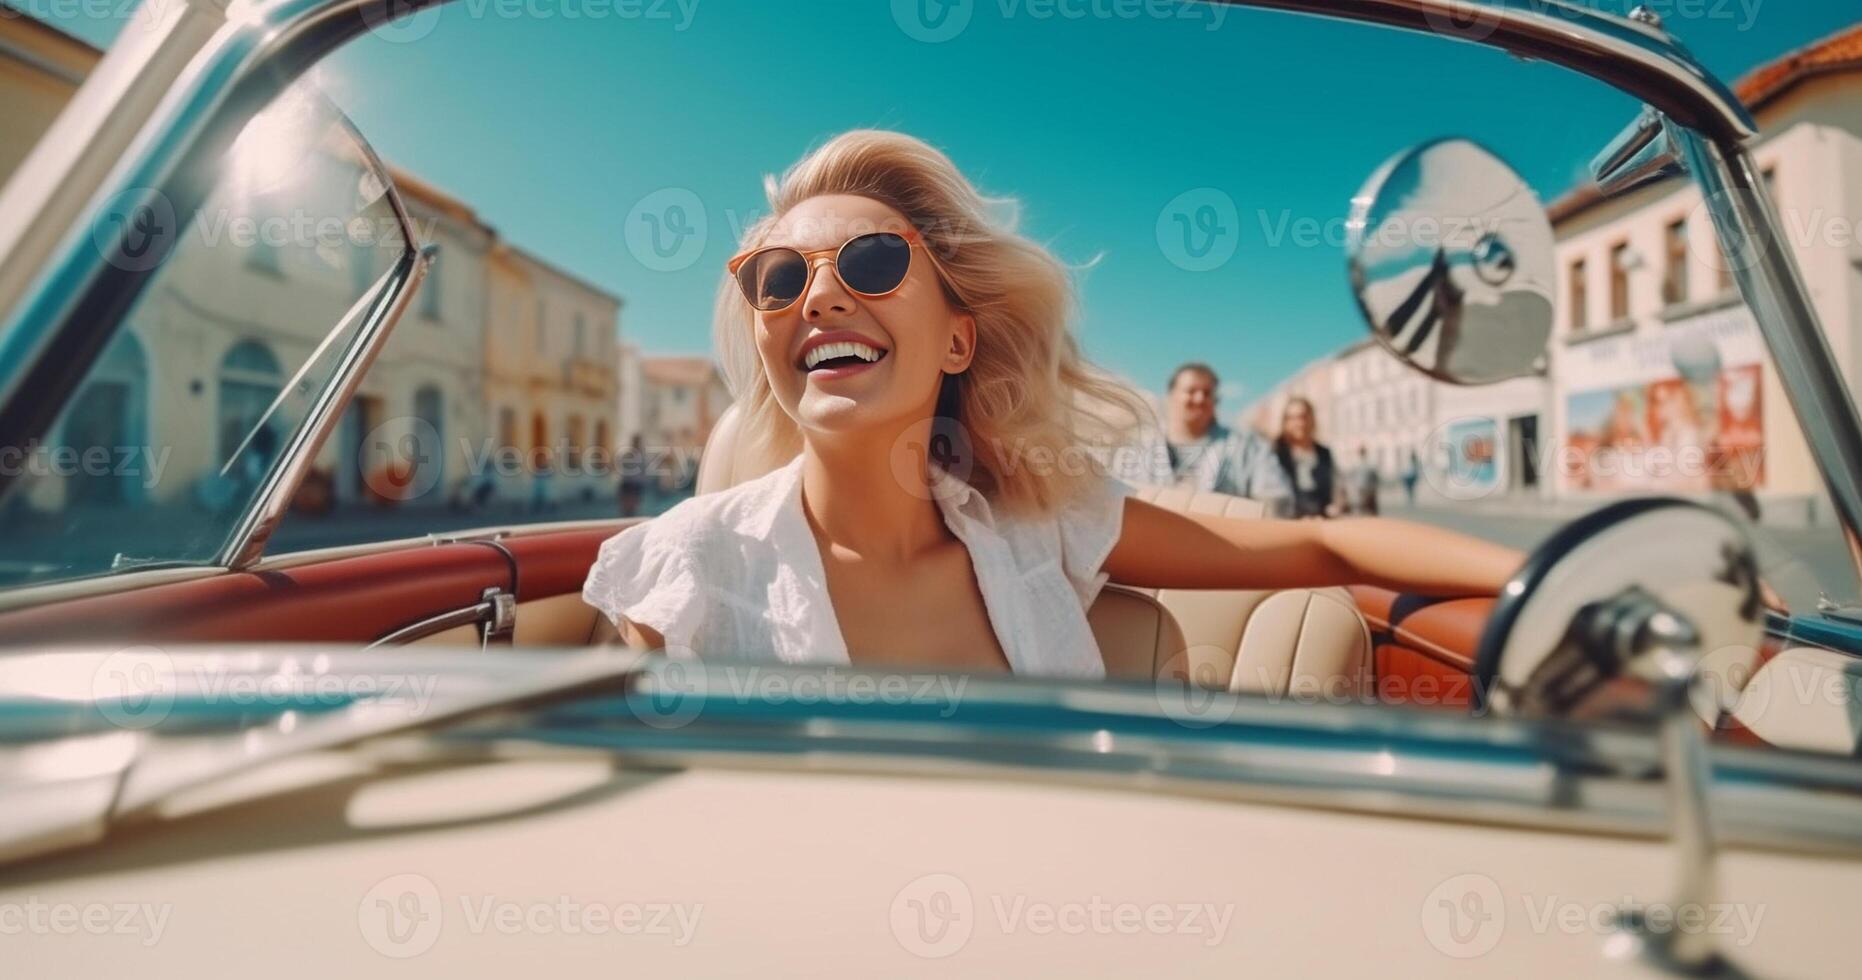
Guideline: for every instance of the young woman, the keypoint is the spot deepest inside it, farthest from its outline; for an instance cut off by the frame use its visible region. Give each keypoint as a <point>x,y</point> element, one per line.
<point>940,508</point>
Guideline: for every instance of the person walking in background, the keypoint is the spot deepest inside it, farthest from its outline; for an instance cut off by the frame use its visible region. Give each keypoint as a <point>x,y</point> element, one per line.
<point>633,477</point>
<point>1199,453</point>
<point>1364,482</point>
<point>1412,472</point>
<point>1306,464</point>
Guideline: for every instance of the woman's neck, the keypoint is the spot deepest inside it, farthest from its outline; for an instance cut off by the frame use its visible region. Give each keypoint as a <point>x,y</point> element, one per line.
<point>870,495</point>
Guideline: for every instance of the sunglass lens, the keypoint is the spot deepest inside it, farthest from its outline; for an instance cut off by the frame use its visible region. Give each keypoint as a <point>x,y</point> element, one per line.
<point>774,278</point>
<point>875,264</point>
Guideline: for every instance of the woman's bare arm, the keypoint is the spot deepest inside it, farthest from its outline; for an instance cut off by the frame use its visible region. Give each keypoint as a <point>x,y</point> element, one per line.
<point>1160,548</point>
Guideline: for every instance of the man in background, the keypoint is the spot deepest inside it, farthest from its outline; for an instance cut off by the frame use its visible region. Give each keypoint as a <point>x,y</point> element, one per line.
<point>1199,453</point>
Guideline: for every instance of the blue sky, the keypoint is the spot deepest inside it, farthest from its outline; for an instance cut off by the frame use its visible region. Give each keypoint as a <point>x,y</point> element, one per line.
<point>557,128</point>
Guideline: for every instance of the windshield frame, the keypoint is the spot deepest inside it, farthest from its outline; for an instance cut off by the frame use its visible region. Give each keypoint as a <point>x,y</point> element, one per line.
<point>242,68</point>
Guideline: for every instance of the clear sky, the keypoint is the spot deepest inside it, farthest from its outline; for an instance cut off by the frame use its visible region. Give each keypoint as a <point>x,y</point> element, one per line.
<point>557,119</point>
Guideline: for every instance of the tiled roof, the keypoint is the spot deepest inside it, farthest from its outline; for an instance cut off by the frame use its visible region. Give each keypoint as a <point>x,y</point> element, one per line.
<point>695,370</point>
<point>1841,51</point>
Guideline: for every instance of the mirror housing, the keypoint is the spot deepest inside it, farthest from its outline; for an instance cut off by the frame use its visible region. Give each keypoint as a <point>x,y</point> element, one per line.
<point>1450,255</point>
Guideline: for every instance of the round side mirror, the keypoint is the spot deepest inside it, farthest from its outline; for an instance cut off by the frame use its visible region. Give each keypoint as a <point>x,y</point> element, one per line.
<point>1451,259</point>
<point>1617,595</point>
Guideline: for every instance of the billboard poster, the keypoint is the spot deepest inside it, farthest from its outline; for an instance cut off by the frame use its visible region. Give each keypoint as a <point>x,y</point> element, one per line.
<point>1472,467</point>
<point>1672,435</point>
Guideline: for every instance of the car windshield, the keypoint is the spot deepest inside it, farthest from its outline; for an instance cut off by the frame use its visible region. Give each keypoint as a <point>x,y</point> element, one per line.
<point>557,362</point>
<point>202,391</point>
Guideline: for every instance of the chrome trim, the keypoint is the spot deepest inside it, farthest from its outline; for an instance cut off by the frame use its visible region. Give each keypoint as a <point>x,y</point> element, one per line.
<point>1638,58</point>
<point>1645,151</point>
<point>395,292</point>
<point>1546,776</point>
<point>1750,233</point>
<point>294,559</point>
<point>496,611</point>
<point>1551,776</point>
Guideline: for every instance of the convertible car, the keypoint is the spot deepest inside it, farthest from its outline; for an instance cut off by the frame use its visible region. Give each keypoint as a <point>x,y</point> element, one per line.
<point>430,754</point>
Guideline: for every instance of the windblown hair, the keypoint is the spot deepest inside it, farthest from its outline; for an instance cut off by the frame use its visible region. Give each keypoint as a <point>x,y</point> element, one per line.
<point>1038,419</point>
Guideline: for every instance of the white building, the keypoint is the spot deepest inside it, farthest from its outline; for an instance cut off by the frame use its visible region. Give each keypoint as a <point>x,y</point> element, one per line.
<point>682,397</point>
<point>1379,405</point>
<point>1660,380</point>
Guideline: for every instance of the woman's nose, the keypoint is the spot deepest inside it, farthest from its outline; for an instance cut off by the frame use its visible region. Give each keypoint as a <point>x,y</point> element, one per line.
<point>826,293</point>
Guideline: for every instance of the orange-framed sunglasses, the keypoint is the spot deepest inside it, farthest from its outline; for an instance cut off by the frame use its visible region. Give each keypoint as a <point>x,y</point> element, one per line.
<point>874,264</point>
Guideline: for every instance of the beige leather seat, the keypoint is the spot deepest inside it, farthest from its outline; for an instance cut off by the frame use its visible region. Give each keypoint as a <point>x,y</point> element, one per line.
<point>1310,642</point>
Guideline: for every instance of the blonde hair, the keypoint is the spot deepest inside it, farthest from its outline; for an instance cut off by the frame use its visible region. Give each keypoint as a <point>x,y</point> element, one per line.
<point>1037,417</point>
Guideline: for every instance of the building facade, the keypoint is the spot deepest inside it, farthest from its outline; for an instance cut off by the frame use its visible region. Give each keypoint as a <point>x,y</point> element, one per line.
<point>1379,408</point>
<point>552,398</point>
<point>502,366</point>
<point>1660,381</point>
<point>681,400</point>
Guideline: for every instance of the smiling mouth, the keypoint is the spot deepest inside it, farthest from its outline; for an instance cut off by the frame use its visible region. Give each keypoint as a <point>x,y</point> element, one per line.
<point>845,354</point>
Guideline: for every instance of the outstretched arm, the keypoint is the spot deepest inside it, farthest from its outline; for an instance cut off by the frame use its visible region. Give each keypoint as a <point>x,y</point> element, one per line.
<point>1160,548</point>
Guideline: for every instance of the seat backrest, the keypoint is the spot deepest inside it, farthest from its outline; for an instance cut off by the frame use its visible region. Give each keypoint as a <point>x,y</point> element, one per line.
<point>1305,641</point>
<point>1310,642</point>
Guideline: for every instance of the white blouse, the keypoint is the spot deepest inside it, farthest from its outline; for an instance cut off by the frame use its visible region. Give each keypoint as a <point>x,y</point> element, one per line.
<point>737,574</point>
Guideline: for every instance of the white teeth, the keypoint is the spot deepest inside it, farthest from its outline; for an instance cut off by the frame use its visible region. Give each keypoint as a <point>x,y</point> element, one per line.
<point>827,352</point>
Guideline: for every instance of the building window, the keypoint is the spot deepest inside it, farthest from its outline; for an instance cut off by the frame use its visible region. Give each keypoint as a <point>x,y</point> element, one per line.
<point>250,379</point>
<point>1619,281</point>
<point>1579,296</point>
<point>1674,269</point>
<point>430,290</point>
<point>581,336</point>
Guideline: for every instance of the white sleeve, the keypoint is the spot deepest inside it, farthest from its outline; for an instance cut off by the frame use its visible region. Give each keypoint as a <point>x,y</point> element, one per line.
<point>649,578</point>
<point>1089,529</point>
